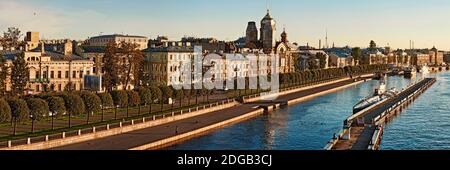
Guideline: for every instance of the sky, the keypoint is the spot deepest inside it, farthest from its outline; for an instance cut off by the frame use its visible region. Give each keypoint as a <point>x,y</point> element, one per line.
<point>348,22</point>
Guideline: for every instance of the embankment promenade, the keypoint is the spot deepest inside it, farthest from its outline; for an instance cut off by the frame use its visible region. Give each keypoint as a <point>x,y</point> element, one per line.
<point>156,134</point>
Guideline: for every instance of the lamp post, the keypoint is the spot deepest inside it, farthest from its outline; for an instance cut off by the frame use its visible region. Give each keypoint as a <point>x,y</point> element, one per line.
<point>115,112</point>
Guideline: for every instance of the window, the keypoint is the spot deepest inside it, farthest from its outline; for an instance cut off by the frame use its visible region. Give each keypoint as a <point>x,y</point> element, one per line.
<point>45,74</point>
<point>81,74</point>
<point>37,88</point>
<point>94,70</point>
<point>37,74</point>
<point>52,74</point>
<point>59,74</point>
<point>74,74</point>
<point>67,74</point>
<point>59,87</point>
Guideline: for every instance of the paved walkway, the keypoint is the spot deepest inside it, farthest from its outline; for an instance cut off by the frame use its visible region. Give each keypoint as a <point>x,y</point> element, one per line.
<point>152,134</point>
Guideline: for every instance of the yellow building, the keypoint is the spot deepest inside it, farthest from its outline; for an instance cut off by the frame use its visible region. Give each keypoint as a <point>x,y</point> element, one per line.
<point>103,40</point>
<point>52,71</point>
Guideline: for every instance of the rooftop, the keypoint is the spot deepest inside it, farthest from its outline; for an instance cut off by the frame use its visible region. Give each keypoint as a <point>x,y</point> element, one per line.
<point>118,35</point>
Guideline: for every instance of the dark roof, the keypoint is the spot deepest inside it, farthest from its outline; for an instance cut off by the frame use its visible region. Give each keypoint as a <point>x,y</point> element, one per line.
<point>170,49</point>
<point>9,55</point>
<point>60,57</point>
<point>93,49</point>
<point>118,35</point>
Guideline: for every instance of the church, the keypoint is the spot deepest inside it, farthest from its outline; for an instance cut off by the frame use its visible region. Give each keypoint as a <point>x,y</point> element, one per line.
<point>266,42</point>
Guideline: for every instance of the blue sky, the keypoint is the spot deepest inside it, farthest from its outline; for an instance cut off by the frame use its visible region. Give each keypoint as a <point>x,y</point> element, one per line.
<point>349,22</point>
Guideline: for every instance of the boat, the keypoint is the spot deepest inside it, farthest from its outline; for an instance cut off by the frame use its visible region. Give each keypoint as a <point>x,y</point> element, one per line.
<point>397,71</point>
<point>410,72</point>
<point>380,94</point>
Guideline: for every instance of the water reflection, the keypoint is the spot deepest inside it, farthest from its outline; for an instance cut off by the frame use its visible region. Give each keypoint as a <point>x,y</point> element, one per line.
<point>305,126</point>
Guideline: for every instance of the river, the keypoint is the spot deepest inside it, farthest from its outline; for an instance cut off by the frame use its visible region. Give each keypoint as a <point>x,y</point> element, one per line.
<point>310,125</point>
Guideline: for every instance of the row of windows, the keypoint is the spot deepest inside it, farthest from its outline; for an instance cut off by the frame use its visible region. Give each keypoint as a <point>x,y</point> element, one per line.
<point>60,76</point>
<point>57,88</point>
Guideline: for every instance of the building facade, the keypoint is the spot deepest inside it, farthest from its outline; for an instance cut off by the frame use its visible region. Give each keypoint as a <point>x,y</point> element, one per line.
<point>103,40</point>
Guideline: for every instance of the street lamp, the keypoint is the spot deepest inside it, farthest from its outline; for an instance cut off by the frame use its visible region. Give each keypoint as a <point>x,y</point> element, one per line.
<point>115,112</point>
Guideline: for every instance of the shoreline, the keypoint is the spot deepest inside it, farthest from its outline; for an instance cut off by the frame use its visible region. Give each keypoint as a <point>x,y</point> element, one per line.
<point>147,137</point>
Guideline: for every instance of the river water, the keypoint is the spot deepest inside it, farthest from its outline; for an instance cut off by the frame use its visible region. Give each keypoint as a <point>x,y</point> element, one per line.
<point>311,124</point>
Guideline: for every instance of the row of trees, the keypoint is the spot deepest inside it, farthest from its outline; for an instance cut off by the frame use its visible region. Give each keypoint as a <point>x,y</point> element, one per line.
<point>304,77</point>
<point>54,105</point>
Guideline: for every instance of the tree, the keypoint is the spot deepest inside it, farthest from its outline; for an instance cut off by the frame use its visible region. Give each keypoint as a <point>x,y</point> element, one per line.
<point>313,63</point>
<point>20,75</point>
<point>107,101</point>
<point>38,109</point>
<point>145,95</point>
<point>5,111</point>
<point>134,99</point>
<point>120,98</point>
<point>111,67</point>
<point>19,111</point>
<point>179,94</point>
<point>74,105</point>
<point>167,92</point>
<point>131,63</point>
<point>4,71</point>
<point>56,107</point>
<point>92,103</point>
<point>322,60</point>
<point>11,37</point>
<point>357,53</point>
<point>156,93</point>
<point>373,45</point>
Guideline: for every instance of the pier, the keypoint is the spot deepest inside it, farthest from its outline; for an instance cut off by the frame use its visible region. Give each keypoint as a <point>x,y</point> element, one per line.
<point>364,130</point>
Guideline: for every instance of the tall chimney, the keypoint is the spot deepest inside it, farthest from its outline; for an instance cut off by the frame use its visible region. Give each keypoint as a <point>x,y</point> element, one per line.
<point>320,44</point>
<point>42,47</point>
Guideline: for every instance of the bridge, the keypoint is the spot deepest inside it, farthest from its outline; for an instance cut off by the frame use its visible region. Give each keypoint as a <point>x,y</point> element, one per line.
<point>364,130</point>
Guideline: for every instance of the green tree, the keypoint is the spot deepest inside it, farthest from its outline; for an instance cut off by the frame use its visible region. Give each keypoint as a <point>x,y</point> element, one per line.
<point>5,111</point>
<point>131,63</point>
<point>179,94</point>
<point>167,92</point>
<point>372,45</point>
<point>38,109</point>
<point>156,93</point>
<point>106,99</point>
<point>107,102</point>
<point>112,69</point>
<point>74,105</point>
<point>11,38</point>
<point>20,75</point>
<point>145,95</point>
<point>133,98</point>
<point>19,111</point>
<point>357,54</point>
<point>92,103</point>
<point>56,107</point>
<point>120,98</point>
<point>4,71</point>
<point>322,60</point>
<point>313,63</point>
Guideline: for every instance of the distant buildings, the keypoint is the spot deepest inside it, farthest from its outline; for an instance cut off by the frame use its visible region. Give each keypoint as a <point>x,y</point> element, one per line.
<point>53,67</point>
<point>102,40</point>
<point>163,64</point>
